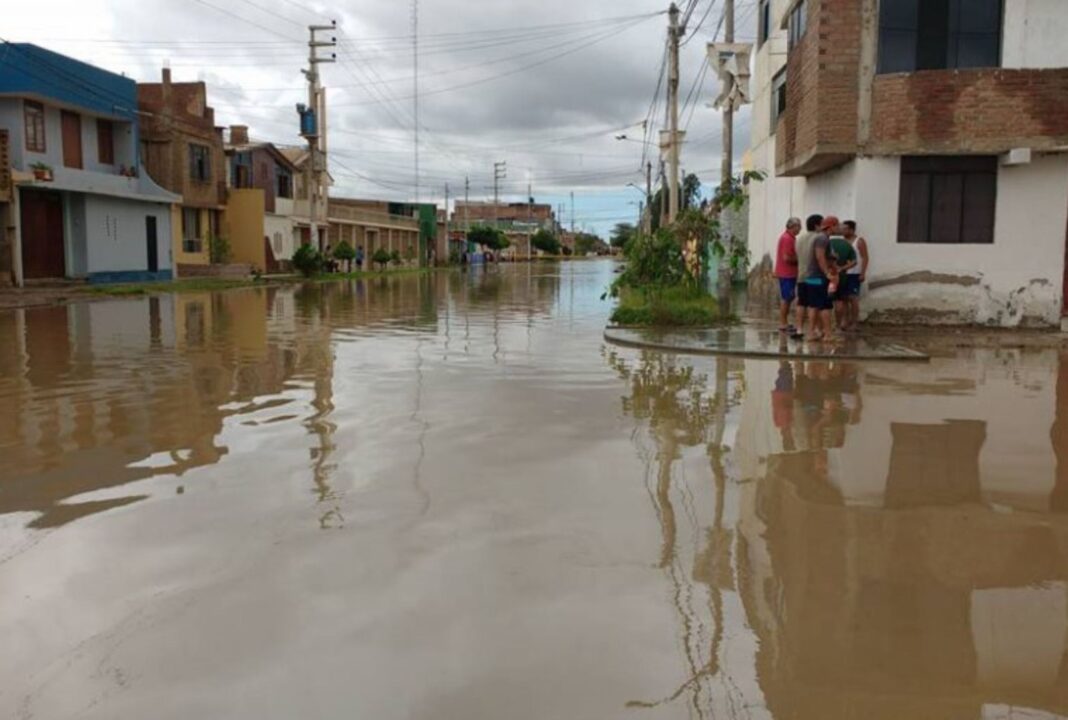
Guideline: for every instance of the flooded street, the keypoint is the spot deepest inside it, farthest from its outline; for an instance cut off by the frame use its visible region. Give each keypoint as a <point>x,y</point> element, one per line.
<point>445,496</point>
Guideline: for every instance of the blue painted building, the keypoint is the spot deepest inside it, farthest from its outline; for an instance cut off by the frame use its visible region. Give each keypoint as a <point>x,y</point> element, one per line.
<point>81,206</point>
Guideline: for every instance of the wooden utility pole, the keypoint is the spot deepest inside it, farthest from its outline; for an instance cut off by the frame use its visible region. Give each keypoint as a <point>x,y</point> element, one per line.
<point>674,36</point>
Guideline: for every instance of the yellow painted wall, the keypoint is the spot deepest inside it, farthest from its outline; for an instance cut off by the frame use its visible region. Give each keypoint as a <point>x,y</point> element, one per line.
<point>243,225</point>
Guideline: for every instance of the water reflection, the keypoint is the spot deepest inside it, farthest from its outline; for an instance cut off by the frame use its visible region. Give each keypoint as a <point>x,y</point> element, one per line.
<point>877,541</point>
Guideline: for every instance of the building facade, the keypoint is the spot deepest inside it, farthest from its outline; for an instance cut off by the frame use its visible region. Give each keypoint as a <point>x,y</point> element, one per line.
<point>941,128</point>
<point>259,174</point>
<point>183,152</point>
<point>518,221</point>
<point>374,224</point>
<point>80,205</point>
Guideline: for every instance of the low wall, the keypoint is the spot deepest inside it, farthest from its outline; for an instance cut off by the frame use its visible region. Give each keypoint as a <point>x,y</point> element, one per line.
<point>232,270</point>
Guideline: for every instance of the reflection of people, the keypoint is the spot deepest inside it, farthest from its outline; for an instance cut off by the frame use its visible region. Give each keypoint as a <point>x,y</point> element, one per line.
<point>782,405</point>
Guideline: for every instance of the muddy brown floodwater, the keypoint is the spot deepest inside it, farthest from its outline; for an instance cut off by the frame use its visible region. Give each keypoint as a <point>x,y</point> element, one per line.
<point>446,497</point>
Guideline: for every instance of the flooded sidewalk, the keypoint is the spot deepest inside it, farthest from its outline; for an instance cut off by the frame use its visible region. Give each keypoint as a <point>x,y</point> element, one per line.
<point>446,496</point>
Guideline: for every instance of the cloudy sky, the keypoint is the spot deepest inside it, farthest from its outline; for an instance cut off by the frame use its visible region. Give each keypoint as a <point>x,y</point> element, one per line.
<point>543,85</point>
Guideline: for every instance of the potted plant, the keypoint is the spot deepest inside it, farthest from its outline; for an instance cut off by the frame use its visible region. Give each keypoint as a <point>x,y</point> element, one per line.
<point>41,171</point>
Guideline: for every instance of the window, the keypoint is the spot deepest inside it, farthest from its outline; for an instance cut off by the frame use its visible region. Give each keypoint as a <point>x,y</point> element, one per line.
<point>191,235</point>
<point>200,163</point>
<point>34,117</point>
<point>763,22</point>
<point>285,183</point>
<point>778,98</point>
<point>798,22</point>
<point>947,199</point>
<point>939,34</point>
<point>105,142</point>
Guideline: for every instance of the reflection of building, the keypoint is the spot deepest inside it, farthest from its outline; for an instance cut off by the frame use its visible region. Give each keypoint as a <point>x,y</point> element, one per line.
<point>81,207</point>
<point>947,137</point>
<point>183,152</point>
<point>886,573</point>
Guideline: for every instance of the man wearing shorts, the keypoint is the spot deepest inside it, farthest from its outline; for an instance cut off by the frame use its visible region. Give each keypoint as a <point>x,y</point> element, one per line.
<point>786,271</point>
<point>804,259</point>
<point>817,282</point>
<point>843,259</point>
<point>857,274</point>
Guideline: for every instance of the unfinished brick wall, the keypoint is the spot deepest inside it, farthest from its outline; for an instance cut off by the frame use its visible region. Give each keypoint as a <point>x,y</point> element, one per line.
<point>5,168</point>
<point>819,128</point>
<point>988,110</point>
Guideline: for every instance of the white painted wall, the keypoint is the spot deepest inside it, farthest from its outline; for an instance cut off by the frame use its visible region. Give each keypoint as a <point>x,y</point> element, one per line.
<point>115,234</point>
<point>776,199</point>
<point>282,227</point>
<point>1033,35</point>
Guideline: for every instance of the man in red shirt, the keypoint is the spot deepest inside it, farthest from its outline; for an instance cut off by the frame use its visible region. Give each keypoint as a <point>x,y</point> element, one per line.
<point>786,271</point>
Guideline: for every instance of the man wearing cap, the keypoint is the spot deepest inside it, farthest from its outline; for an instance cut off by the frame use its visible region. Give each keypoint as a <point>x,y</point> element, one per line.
<point>817,282</point>
<point>804,258</point>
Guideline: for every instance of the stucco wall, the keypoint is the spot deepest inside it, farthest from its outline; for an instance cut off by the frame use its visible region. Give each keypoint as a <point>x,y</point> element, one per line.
<point>1014,281</point>
<point>115,234</point>
<point>1034,33</point>
<point>283,227</point>
<point>244,226</point>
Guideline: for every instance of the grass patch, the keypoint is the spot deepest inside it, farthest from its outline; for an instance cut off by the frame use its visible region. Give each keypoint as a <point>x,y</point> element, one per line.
<point>670,307</point>
<point>189,285</point>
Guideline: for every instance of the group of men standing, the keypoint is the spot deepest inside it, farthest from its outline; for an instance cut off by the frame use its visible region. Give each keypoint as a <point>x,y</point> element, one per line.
<point>823,269</point>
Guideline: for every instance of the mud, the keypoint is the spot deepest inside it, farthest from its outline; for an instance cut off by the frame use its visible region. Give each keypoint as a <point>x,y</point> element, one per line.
<point>445,496</point>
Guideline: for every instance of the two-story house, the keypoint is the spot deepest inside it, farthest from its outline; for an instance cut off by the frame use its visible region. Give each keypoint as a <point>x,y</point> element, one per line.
<point>80,205</point>
<point>183,152</point>
<point>267,244</point>
<point>941,127</point>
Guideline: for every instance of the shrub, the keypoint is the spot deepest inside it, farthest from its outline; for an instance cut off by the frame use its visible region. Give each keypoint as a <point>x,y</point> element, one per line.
<point>488,237</point>
<point>395,257</point>
<point>345,253</point>
<point>219,249</point>
<point>307,260</point>
<point>381,258</point>
<point>671,307</point>
<point>546,242</point>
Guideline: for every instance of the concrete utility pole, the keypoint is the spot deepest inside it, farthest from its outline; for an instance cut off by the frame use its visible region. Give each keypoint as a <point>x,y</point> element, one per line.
<point>314,131</point>
<point>415,88</point>
<point>572,212</point>
<point>448,237</point>
<point>467,201</point>
<point>728,109</point>
<point>648,225</point>
<point>530,220</point>
<point>675,33</point>
<point>500,172</point>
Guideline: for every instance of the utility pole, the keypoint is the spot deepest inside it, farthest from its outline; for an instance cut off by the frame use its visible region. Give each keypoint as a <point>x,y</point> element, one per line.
<point>415,88</point>
<point>572,212</point>
<point>313,126</point>
<point>500,172</point>
<point>448,236</point>
<point>675,34</point>
<point>467,201</point>
<point>530,219</point>
<point>728,108</point>
<point>648,226</point>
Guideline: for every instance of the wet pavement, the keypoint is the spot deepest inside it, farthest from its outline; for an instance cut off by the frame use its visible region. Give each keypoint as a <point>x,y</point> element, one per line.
<point>756,339</point>
<point>447,496</point>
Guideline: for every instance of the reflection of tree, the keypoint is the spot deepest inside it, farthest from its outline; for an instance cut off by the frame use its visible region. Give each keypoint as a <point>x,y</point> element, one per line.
<point>680,412</point>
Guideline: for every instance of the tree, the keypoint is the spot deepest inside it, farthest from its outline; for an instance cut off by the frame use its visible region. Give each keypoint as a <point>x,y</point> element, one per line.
<point>691,192</point>
<point>622,233</point>
<point>585,243</point>
<point>381,258</point>
<point>345,252</point>
<point>307,260</point>
<point>488,237</point>
<point>546,242</point>
<point>395,257</point>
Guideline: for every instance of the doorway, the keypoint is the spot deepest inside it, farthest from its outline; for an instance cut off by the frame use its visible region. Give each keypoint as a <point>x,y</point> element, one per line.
<point>151,244</point>
<point>72,139</point>
<point>41,214</point>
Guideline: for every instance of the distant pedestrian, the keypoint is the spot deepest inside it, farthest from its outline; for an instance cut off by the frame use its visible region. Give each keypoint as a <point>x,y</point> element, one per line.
<point>359,258</point>
<point>804,260</point>
<point>786,271</point>
<point>857,274</point>
<point>816,285</point>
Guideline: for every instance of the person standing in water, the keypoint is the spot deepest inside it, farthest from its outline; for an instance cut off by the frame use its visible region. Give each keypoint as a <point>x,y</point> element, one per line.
<point>856,275</point>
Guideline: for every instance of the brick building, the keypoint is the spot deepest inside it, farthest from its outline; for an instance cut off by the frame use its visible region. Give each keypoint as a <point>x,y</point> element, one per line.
<point>374,224</point>
<point>183,152</point>
<point>518,221</point>
<point>942,128</point>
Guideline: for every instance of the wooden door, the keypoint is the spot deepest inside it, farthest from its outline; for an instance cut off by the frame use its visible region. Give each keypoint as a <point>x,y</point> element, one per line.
<point>72,140</point>
<point>42,234</point>
<point>151,243</point>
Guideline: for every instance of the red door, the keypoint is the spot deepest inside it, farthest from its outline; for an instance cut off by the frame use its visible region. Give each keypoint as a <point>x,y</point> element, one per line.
<point>42,234</point>
<point>72,139</point>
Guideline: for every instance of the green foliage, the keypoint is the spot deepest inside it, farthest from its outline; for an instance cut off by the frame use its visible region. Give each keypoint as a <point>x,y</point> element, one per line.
<point>546,242</point>
<point>489,237</point>
<point>568,252</point>
<point>621,234</point>
<point>381,258</point>
<point>585,243</point>
<point>219,249</point>
<point>691,191</point>
<point>671,307</point>
<point>344,251</point>
<point>395,257</point>
<point>307,260</point>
